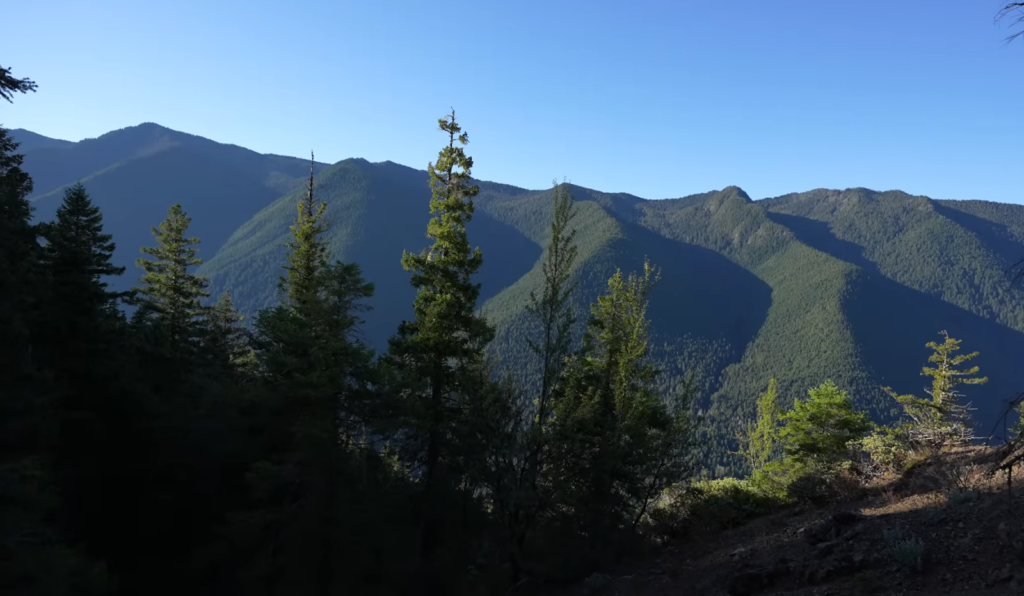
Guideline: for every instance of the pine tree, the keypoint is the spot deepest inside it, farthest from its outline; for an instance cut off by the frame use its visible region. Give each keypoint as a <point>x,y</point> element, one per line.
<point>942,419</point>
<point>172,295</point>
<point>441,351</point>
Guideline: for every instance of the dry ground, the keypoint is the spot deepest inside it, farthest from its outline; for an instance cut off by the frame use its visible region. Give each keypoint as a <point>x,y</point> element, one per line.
<point>971,542</point>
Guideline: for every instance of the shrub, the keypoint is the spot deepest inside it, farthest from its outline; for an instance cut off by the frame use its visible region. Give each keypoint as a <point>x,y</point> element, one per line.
<point>906,551</point>
<point>961,496</point>
<point>820,429</point>
<point>711,504</point>
<point>885,451</point>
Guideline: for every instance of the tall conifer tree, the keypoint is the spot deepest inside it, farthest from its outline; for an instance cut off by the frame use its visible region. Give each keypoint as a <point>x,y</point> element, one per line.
<point>172,294</point>
<point>442,349</point>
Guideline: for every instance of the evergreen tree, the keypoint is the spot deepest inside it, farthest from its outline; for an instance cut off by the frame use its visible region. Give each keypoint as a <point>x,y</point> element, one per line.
<point>942,419</point>
<point>615,445</point>
<point>20,270</point>
<point>818,430</point>
<point>227,338</point>
<point>553,311</point>
<point>172,295</point>
<point>441,351</point>
<point>78,256</point>
<point>760,437</point>
<point>523,499</point>
<point>34,555</point>
<point>315,376</point>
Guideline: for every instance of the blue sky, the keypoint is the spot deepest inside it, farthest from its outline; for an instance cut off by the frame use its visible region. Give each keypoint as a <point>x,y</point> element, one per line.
<point>659,99</point>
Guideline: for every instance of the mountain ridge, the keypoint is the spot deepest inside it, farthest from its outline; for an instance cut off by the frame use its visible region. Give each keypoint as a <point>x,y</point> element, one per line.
<point>843,284</point>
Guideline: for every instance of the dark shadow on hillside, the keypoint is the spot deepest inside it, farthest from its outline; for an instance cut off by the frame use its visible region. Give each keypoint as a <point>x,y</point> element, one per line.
<point>819,236</point>
<point>991,234</point>
<point>701,293</point>
<point>892,323</point>
<point>136,196</point>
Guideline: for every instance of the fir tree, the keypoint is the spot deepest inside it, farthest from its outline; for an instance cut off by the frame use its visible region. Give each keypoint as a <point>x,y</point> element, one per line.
<point>615,444</point>
<point>819,429</point>
<point>554,319</point>
<point>441,351</point>
<point>227,338</point>
<point>315,374</point>
<point>78,259</point>
<point>172,295</point>
<point>553,311</point>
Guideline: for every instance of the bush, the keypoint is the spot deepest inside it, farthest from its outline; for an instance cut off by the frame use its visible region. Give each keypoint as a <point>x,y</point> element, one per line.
<point>819,485</point>
<point>908,552</point>
<point>711,504</point>
<point>885,451</point>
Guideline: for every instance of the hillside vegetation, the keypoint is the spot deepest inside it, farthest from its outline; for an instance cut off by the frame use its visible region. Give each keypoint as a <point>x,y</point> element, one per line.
<point>840,284</point>
<point>365,378</point>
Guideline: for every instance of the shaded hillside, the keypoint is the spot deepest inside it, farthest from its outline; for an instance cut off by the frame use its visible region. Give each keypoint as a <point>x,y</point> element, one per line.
<point>136,174</point>
<point>30,141</point>
<point>706,308</point>
<point>922,244</point>
<point>376,211</point>
<point>847,285</point>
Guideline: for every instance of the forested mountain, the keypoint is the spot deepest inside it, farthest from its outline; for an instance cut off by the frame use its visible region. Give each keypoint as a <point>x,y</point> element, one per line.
<point>136,173</point>
<point>847,285</point>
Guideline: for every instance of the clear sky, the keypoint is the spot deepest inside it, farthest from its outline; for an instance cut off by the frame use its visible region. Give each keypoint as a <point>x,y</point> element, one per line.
<point>659,99</point>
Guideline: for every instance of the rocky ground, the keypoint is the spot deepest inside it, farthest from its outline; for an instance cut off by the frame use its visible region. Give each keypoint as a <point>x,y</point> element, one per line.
<point>944,528</point>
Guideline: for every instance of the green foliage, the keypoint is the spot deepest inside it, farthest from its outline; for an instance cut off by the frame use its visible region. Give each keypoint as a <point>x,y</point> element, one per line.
<point>758,443</point>
<point>819,430</point>
<point>711,505</point>
<point>908,552</point>
<point>172,294</point>
<point>615,445</point>
<point>942,419</point>
<point>886,450</point>
<point>553,310</point>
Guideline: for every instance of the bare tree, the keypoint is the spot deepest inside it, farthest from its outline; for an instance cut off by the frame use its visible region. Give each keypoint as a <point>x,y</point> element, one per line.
<point>10,85</point>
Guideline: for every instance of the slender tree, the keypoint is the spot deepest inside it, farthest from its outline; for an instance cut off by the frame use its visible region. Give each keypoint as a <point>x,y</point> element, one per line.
<point>615,444</point>
<point>758,442</point>
<point>314,374</point>
<point>553,317</point>
<point>552,310</point>
<point>942,419</point>
<point>442,348</point>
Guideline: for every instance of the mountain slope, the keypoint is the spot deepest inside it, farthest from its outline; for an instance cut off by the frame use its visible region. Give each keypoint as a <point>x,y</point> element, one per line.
<point>845,285</point>
<point>30,141</point>
<point>375,212</point>
<point>136,174</point>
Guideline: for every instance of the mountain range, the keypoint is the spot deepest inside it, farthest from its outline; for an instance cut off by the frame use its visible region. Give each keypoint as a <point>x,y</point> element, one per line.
<point>846,285</point>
